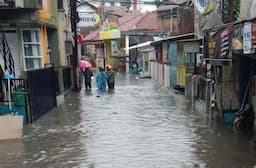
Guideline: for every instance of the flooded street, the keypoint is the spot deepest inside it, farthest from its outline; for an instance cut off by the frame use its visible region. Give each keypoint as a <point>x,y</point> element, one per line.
<point>139,125</point>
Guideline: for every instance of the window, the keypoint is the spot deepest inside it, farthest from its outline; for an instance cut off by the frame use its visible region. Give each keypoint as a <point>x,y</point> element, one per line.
<point>32,49</point>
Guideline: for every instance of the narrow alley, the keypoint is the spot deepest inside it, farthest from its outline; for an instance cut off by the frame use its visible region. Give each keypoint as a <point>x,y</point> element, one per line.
<point>139,125</point>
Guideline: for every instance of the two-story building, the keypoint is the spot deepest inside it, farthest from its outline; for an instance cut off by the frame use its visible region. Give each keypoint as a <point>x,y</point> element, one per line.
<point>177,24</point>
<point>32,40</point>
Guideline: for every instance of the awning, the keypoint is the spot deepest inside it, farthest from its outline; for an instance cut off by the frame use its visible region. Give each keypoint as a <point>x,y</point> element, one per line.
<point>216,61</point>
<point>140,45</point>
<point>176,38</point>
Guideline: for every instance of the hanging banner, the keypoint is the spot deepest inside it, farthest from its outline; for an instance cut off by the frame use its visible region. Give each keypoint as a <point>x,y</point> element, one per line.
<point>218,43</point>
<point>225,42</point>
<point>247,38</point>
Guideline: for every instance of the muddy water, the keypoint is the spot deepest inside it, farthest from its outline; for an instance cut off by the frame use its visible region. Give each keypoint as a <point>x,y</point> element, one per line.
<point>139,125</point>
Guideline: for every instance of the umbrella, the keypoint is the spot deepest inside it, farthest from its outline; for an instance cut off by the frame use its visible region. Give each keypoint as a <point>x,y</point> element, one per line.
<point>85,64</point>
<point>9,77</point>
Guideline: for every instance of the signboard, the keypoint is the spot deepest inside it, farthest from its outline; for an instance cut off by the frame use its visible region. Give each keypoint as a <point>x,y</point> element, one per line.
<point>191,47</point>
<point>109,30</point>
<point>88,19</point>
<point>218,43</point>
<point>225,36</point>
<point>247,38</point>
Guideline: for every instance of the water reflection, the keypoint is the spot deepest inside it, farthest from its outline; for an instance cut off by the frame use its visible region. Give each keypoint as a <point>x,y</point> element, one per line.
<point>140,124</point>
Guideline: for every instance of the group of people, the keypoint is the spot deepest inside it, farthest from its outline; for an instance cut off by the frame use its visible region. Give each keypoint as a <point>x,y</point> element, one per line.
<point>103,78</point>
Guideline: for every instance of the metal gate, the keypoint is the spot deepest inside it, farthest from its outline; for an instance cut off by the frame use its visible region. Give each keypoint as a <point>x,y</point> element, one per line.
<point>42,91</point>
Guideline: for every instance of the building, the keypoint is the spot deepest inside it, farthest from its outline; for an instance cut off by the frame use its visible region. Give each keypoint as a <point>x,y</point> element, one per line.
<point>228,54</point>
<point>32,48</point>
<point>176,23</point>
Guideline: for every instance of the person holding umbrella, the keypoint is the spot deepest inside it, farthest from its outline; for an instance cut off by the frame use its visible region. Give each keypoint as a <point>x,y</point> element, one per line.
<point>85,65</point>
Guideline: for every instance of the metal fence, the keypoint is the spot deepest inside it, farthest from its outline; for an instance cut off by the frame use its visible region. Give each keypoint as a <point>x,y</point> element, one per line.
<point>15,84</point>
<point>42,91</point>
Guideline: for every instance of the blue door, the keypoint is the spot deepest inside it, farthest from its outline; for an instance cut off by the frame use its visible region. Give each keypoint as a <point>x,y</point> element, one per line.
<point>172,57</point>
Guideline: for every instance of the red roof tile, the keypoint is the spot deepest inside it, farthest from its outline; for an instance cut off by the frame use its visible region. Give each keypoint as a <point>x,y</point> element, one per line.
<point>148,21</point>
<point>143,22</point>
<point>93,35</point>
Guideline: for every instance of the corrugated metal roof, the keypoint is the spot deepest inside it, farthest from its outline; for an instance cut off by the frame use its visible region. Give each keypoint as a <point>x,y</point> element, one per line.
<point>174,38</point>
<point>141,45</point>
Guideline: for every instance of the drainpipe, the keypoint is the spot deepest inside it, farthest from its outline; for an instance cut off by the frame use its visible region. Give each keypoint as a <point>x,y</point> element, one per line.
<point>127,53</point>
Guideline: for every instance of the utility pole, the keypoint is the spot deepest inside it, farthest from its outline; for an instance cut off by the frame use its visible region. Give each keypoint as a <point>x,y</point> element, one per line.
<point>74,58</point>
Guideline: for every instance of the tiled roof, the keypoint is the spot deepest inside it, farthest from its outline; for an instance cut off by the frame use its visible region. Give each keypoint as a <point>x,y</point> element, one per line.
<point>148,21</point>
<point>143,22</point>
<point>93,35</point>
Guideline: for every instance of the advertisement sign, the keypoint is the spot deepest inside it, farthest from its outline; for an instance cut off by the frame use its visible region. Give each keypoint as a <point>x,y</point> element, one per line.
<point>218,43</point>
<point>225,36</point>
<point>247,38</point>
<point>114,47</point>
<point>109,30</point>
<point>88,19</point>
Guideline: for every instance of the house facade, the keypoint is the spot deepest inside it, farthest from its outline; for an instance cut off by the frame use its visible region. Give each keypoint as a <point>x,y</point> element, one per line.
<point>30,28</point>
<point>228,30</point>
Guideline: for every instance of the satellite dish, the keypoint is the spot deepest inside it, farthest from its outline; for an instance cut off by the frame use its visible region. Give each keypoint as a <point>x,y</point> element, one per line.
<point>204,6</point>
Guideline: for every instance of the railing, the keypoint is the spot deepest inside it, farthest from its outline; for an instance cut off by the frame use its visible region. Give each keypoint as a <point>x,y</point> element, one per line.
<point>16,84</point>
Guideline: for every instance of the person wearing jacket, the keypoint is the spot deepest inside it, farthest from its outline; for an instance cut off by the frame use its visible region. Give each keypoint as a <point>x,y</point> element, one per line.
<point>87,79</point>
<point>111,77</point>
<point>101,79</point>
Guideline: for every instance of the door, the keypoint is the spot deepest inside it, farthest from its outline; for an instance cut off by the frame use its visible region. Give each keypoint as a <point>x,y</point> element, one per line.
<point>172,58</point>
